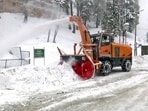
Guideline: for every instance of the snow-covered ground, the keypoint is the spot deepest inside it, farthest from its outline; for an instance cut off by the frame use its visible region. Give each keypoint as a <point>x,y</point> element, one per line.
<point>53,87</point>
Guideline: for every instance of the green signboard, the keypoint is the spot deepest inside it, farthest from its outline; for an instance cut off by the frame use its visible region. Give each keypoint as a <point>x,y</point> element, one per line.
<point>39,53</point>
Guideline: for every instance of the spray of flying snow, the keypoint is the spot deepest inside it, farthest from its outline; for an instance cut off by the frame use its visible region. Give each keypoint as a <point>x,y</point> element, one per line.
<point>28,32</point>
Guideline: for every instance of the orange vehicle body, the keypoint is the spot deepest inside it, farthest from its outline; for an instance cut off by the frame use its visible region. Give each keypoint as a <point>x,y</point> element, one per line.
<point>116,50</point>
<point>98,53</point>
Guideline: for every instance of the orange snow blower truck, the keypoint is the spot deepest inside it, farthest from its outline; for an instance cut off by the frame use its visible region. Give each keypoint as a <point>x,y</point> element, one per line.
<point>97,53</point>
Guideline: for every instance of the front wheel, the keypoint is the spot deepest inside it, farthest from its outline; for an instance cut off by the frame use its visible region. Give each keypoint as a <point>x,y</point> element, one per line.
<point>106,68</point>
<point>127,66</point>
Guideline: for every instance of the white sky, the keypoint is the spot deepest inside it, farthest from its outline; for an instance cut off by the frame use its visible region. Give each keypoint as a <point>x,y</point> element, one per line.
<point>142,28</point>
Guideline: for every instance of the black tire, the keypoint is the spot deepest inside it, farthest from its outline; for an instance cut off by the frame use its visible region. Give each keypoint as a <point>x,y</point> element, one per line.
<point>106,68</point>
<point>126,66</point>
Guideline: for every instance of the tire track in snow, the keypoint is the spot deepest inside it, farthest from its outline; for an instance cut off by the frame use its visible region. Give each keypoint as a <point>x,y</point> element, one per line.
<point>133,99</point>
<point>82,94</point>
<point>94,94</point>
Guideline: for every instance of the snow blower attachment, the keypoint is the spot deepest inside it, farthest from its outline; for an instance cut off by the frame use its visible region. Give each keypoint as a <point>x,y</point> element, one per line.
<point>82,64</point>
<point>97,53</point>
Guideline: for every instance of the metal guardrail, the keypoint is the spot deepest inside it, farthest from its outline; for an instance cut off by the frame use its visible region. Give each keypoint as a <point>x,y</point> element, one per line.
<point>22,58</point>
<point>7,63</point>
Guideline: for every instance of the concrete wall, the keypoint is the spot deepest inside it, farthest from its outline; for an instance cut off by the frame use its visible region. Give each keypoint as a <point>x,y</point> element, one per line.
<point>15,6</point>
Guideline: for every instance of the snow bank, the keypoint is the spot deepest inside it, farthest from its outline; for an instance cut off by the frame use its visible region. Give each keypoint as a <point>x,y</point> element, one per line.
<point>5,81</point>
<point>140,62</point>
<point>31,78</point>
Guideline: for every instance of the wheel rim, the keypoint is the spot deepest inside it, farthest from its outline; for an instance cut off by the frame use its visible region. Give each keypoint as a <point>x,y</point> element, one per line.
<point>128,65</point>
<point>106,68</point>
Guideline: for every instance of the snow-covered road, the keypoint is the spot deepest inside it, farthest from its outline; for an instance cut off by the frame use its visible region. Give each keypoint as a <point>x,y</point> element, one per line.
<point>116,92</point>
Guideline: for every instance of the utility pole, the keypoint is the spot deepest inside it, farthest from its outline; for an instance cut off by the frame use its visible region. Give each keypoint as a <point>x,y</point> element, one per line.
<point>135,39</point>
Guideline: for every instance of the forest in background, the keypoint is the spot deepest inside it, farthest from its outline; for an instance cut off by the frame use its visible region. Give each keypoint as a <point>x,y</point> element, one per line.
<point>113,16</point>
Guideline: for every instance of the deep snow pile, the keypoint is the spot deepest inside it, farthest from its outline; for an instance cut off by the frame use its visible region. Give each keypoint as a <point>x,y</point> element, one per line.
<point>32,78</point>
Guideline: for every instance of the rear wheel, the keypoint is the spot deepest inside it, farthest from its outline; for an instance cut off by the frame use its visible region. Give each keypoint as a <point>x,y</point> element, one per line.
<point>126,66</point>
<point>106,68</point>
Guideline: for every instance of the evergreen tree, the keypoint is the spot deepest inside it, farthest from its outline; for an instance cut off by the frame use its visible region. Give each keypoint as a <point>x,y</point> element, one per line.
<point>98,10</point>
<point>119,12</point>
<point>85,8</point>
<point>110,20</point>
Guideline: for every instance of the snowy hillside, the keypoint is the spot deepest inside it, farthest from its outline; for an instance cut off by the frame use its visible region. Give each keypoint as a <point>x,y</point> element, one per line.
<point>40,87</point>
